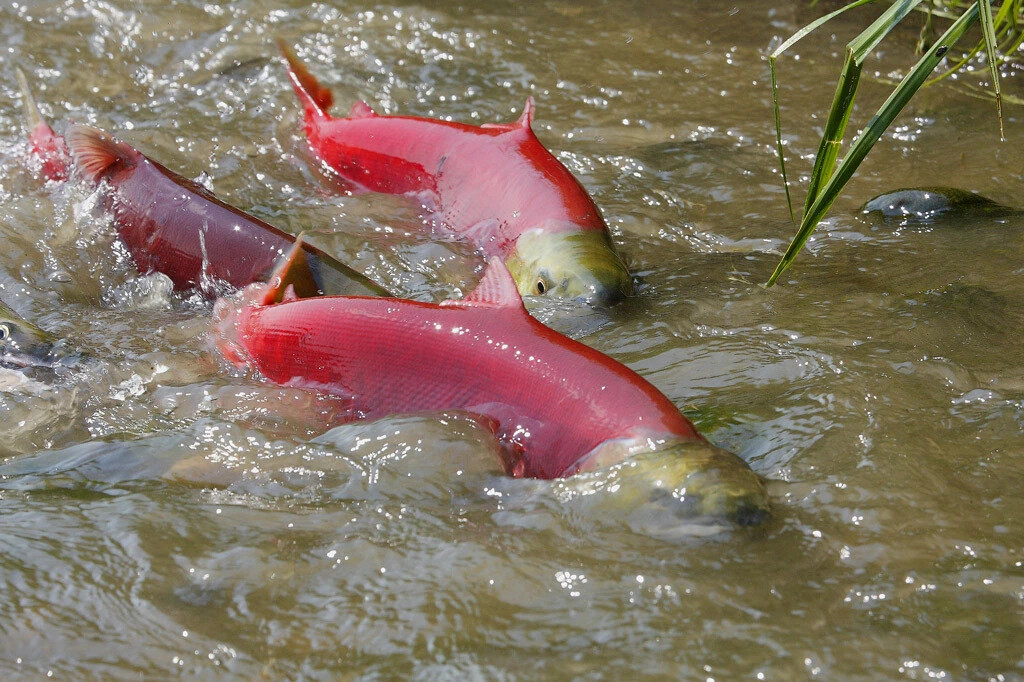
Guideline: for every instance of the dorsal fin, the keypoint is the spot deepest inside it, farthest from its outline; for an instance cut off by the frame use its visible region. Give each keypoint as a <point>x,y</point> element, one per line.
<point>524,122</point>
<point>496,288</point>
<point>97,154</point>
<point>526,118</point>
<point>361,110</point>
<point>307,87</point>
<point>292,277</point>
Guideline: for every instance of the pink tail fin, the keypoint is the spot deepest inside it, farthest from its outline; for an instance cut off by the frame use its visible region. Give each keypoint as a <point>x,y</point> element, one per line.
<point>46,146</point>
<point>315,98</point>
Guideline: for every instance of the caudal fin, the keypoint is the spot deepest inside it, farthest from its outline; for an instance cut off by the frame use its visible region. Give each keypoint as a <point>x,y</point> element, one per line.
<point>98,155</point>
<point>47,147</point>
<point>315,98</point>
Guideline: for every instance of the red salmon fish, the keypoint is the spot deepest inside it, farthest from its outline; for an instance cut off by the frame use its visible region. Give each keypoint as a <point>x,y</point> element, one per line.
<point>557,406</point>
<point>175,226</point>
<point>495,185</point>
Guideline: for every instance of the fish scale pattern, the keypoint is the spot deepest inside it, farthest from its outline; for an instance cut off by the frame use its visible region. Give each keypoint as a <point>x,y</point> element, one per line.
<point>551,398</point>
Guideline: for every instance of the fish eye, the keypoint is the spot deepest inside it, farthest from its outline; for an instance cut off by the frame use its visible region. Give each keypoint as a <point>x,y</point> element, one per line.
<point>541,286</point>
<point>5,332</point>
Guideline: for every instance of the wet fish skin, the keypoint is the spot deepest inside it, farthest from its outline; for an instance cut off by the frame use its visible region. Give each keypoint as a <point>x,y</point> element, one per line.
<point>923,204</point>
<point>491,185</point>
<point>557,406</point>
<point>22,343</point>
<point>173,225</point>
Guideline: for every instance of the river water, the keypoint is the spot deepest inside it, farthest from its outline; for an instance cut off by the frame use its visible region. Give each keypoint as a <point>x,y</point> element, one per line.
<point>163,516</point>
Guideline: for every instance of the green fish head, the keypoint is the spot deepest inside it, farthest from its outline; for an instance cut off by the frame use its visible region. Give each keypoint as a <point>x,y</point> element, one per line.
<point>22,343</point>
<point>578,264</point>
<point>683,481</point>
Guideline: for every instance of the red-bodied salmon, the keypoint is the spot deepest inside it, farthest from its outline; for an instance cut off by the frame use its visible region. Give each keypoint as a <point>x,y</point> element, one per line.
<point>175,226</point>
<point>495,185</point>
<point>557,406</point>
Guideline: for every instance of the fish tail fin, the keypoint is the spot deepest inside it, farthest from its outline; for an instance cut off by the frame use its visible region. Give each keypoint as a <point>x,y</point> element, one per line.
<point>32,115</point>
<point>292,278</point>
<point>97,154</point>
<point>315,98</point>
<point>45,145</point>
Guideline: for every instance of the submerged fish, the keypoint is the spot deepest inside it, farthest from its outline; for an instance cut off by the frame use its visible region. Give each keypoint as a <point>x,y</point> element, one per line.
<point>557,406</point>
<point>926,203</point>
<point>22,344</point>
<point>495,185</point>
<point>178,227</point>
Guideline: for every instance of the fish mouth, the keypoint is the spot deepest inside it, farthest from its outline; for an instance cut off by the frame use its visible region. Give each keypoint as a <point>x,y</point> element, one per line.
<point>568,262</point>
<point>46,355</point>
<point>691,482</point>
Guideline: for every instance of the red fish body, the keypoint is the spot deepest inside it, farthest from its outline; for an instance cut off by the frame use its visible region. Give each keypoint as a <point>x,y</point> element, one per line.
<point>495,185</point>
<point>558,406</point>
<point>396,356</point>
<point>175,226</point>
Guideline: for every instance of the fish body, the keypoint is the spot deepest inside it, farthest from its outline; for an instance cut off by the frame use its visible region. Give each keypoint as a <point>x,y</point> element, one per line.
<point>923,204</point>
<point>495,185</point>
<point>557,406</point>
<point>175,226</point>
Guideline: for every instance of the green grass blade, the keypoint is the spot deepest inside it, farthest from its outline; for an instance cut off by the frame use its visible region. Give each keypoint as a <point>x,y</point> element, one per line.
<point>778,139</point>
<point>988,30</point>
<point>793,39</point>
<point>881,121</point>
<point>868,40</point>
<point>796,37</point>
<point>846,91</point>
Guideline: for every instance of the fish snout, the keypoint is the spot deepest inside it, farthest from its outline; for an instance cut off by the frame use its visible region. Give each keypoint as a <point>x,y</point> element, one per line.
<point>22,344</point>
<point>720,487</point>
<point>600,286</point>
<point>691,481</point>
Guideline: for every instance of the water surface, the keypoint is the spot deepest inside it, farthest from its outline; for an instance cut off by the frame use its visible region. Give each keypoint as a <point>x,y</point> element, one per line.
<point>161,515</point>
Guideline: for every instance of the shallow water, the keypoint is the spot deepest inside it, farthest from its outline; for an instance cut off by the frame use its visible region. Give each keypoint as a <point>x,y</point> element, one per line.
<point>161,515</point>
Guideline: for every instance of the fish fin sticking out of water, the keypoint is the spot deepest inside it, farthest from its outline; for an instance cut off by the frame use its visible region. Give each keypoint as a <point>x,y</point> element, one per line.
<point>496,289</point>
<point>292,278</point>
<point>97,155</point>
<point>46,145</point>
<point>524,122</point>
<point>316,99</point>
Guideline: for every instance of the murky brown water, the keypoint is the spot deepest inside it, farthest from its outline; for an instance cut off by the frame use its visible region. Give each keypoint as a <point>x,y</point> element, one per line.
<point>160,516</point>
